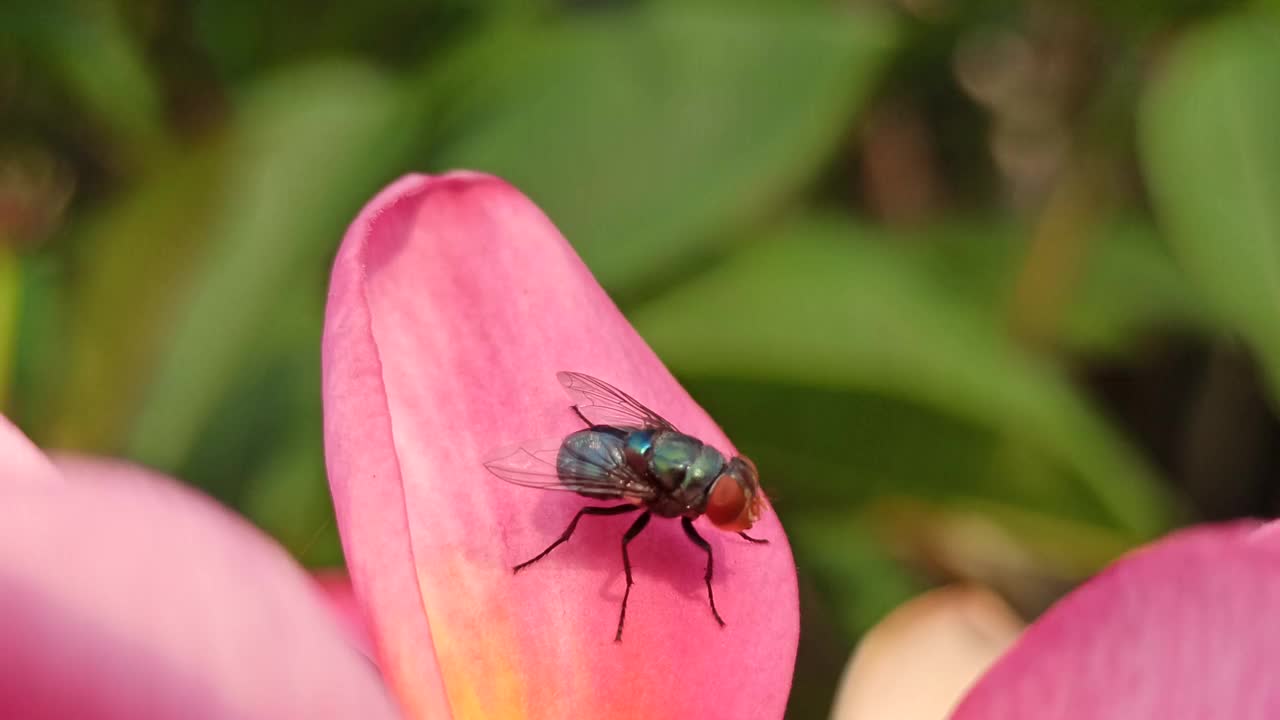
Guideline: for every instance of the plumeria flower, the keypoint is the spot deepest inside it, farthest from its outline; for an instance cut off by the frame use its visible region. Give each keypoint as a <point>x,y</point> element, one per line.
<point>453,304</point>
<point>1182,628</point>
<point>454,301</point>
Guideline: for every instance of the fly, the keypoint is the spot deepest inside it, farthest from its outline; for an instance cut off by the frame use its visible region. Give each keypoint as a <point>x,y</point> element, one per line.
<point>629,453</point>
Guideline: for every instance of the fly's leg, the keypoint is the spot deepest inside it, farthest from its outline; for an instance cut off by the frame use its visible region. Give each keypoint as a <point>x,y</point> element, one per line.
<point>697,539</point>
<point>760,541</point>
<point>584,417</point>
<point>568,532</point>
<point>631,534</point>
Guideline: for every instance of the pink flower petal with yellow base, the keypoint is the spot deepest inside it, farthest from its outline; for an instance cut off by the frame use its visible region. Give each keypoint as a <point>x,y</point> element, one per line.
<point>454,301</point>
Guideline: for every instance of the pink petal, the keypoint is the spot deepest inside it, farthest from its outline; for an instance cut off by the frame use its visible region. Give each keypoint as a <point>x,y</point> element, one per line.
<point>1184,628</point>
<point>342,601</point>
<point>22,462</point>
<point>454,302</point>
<point>125,595</point>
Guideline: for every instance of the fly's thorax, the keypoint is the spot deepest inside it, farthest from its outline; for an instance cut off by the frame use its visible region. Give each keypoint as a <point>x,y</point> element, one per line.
<point>703,471</point>
<point>683,468</point>
<point>670,455</point>
<point>682,463</point>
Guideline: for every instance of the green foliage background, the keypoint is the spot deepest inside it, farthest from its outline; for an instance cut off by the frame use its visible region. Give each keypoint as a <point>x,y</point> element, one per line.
<point>988,289</point>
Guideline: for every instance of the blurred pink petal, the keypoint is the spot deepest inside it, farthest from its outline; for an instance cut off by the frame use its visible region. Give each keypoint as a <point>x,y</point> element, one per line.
<point>918,662</point>
<point>342,601</point>
<point>21,462</point>
<point>126,595</point>
<point>454,302</point>
<point>1184,628</point>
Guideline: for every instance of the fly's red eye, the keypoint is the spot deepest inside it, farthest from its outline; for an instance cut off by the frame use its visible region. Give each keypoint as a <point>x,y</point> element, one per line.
<point>726,501</point>
<point>728,505</point>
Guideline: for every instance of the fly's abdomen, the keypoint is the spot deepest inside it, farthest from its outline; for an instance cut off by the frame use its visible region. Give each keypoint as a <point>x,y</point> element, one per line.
<point>592,455</point>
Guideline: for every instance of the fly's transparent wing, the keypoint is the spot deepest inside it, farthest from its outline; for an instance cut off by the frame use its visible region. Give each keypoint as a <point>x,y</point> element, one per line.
<point>533,464</point>
<point>603,404</point>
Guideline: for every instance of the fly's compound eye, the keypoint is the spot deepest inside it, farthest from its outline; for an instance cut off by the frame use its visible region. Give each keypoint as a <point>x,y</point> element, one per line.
<point>734,501</point>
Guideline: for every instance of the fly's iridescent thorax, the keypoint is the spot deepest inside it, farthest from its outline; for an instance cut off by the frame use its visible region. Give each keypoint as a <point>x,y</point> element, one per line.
<point>678,460</point>
<point>684,468</point>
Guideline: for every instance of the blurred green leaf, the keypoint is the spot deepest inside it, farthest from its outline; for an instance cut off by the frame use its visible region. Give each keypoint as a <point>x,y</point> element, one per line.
<point>1131,287</point>
<point>823,447</point>
<point>1129,284</point>
<point>258,416</point>
<point>825,305</point>
<point>260,447</point>
<point>10,294</point>
<point>645,134</point>
<point>1211,152</point>
<point>311,146</point>
<point>289,498</point>
<point>89,48</point>
<point>185,274</point>
<point>40,345</point>
<point>1062,547</point>
<point>135,259</point>
<point>852,568</point>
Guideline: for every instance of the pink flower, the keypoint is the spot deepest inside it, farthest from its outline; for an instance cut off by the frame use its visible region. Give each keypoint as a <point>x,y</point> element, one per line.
<point>1183,628</point>
<point>126,595</point>
<point>454,302</point>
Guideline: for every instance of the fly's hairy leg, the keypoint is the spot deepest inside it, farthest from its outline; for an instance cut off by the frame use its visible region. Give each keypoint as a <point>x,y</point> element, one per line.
<point>573,525</point>
<point>698,540</point>
<point>630,535</point>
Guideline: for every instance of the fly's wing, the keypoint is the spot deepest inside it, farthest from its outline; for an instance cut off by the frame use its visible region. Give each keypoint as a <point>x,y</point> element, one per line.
<point>603,404</point>
<point>533,464</point>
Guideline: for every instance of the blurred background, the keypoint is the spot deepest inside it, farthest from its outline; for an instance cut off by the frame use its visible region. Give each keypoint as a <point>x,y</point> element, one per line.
<point>988,289</point>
